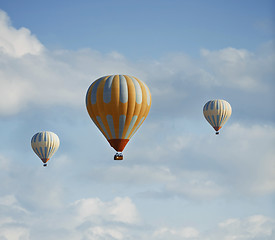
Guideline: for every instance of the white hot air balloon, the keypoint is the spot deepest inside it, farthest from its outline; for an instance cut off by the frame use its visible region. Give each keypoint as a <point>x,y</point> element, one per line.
<point>45,144</point>
<point>217,112</point>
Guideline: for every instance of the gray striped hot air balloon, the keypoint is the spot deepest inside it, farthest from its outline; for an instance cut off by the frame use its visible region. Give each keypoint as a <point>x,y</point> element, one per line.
<point>217,112</point>
<point>45,144</point>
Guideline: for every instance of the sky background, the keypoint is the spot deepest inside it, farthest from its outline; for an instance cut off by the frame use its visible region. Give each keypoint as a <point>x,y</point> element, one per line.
<point>178,180</point>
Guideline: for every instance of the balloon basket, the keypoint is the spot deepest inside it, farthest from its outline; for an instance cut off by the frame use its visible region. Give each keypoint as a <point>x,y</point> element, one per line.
<point>118,156</point>
<point>217,133</point>
<point>45,165</point>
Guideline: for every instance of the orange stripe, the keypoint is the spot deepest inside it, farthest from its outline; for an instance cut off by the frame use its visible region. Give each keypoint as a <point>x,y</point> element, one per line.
<point>114,104</point>
<point>129,112</point>
<point>93,109</point>
<point>141,109</point>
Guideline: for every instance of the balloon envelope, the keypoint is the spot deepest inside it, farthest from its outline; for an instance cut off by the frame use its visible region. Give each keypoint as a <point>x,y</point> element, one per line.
<point>217,112</point>
<point>45,144</point>
<point>118,105</point>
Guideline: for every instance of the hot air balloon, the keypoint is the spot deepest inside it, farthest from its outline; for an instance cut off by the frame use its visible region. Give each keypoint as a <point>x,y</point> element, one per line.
<point>118,105</point>
<point>217,112</point>
<point>45,144</point>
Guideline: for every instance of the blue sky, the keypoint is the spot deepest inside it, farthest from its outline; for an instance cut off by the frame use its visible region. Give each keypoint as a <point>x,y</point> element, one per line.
<point>148,29</point>
<point>178,180</point>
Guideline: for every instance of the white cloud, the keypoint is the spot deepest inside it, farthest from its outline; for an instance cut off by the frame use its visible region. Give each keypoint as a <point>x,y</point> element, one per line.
<point>253,227</point>
<point>94,219</point>
<point>14,233</point>
<point>176,233</point>
<point>23,213</point>
<point>11,201</point>
<point>101,233</point>
<point>89,218</point>
<point>238,68</point>
<point>12,216</point>
<point>53,79</point>
<point>30,187</point>
<point>17,43</point>
<point>47,79</point>
<point>247,161</point>
<point>256,227</point>
<point>162,181</point>
<point>31,76</point>
<point>132,174</point>
<point>240,161</point>
<point>120,210</point>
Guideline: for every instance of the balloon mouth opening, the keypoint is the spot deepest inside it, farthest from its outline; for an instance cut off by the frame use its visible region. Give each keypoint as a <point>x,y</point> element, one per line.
<point>45,160</point>
<point>118,156</point>
<point>118,144</point>
<point>217,128</point>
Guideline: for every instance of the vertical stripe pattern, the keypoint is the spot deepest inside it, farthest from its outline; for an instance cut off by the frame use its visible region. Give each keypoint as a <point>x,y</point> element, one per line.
<point>118,104</point>
<point>45,144</point>
<point>217,112</point>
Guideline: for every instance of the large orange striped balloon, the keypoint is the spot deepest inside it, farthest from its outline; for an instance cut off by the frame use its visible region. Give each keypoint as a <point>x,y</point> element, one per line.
<point>118,105</point>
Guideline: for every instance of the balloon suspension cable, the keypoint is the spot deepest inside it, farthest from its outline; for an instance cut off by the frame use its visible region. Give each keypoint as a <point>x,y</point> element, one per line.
<point>45,164</point>
<point>118,156</point>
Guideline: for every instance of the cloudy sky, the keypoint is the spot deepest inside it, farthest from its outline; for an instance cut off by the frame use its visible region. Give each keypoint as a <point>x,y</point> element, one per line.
<point>178,180</point>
